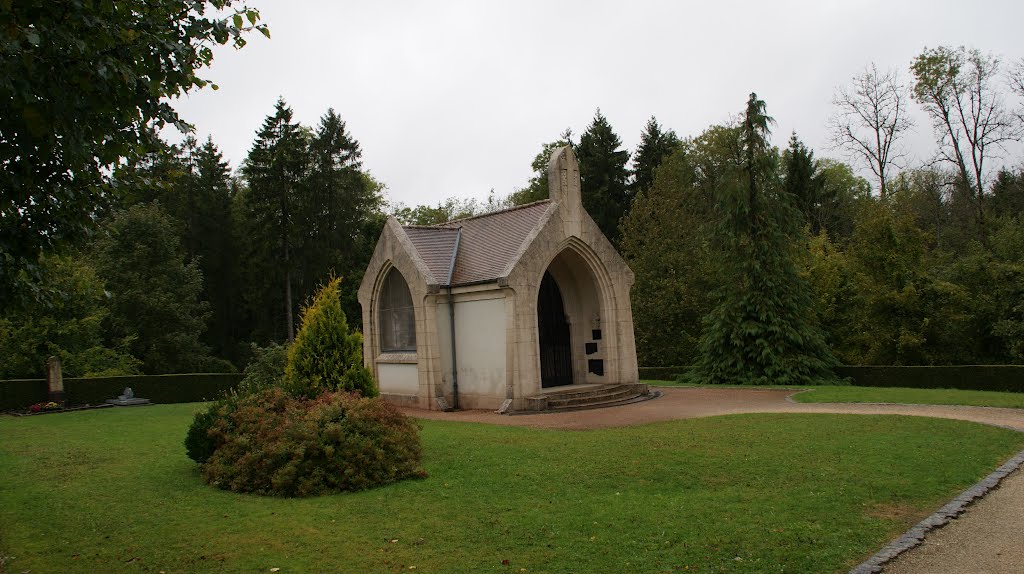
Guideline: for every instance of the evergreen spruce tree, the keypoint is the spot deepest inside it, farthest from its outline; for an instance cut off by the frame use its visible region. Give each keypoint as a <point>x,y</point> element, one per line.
<point>341,214</point>
<point>763,330</point>
<point>655,146</point>
<point>275,169</point>
<point>603,175</point>
<point>801,181</point>
<point>210,239</point>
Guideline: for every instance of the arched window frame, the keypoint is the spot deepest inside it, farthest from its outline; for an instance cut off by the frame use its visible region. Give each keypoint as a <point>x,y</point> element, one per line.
<point>396,315</point>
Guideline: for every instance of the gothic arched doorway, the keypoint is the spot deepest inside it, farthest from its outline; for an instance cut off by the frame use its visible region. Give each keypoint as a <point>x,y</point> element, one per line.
<point>553,333</point>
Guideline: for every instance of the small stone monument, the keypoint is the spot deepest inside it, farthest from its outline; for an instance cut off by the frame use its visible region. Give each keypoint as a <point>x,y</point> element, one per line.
<point>54,380</point>
<point>128,399</point>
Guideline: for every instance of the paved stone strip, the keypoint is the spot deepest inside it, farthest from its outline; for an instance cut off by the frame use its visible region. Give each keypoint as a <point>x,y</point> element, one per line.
<point>915,536</point>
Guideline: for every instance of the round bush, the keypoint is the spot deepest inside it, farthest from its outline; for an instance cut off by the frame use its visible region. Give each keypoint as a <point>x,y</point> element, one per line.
<point>273,443</point>
<point>199,445</point>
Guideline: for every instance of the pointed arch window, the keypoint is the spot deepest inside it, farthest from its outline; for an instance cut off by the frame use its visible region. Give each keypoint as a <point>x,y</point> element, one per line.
<point>397,319</point>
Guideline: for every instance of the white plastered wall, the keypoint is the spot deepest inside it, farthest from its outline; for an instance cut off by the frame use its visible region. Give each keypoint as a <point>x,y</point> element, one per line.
<point>399,379</point>
<point>480,339</point>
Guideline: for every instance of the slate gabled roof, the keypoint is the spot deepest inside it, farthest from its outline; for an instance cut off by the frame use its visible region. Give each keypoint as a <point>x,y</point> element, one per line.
<point>484,249</point>
<point>435,246</point>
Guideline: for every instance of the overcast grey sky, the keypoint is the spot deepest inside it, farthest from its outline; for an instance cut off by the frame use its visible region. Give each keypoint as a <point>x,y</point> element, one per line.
<point>456,98</point>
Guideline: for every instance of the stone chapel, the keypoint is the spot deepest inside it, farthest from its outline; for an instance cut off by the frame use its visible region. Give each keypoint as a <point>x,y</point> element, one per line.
<point>522,309</point>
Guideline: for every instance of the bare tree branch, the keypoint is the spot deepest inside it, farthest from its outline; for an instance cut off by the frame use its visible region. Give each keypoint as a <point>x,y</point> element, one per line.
<point>959,89</point>
<point>869,120</point>
<point>1016,77</point>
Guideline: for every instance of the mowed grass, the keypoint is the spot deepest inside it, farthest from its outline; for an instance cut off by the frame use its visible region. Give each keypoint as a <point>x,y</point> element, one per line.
<point>853,394</point>
<point>112,491</point>
<point>912,396</point>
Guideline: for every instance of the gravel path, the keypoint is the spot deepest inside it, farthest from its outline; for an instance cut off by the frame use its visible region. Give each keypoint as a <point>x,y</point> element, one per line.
<point>688,403</point>
<point>987,538</point>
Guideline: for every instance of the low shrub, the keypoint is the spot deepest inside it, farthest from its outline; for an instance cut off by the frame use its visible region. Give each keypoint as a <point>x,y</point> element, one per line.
<point>272,443</point>
<point>662,373</point>
<point>266,369</point>
<point>199,445</point>
<point>210,364</point>
<point>1006,378</point>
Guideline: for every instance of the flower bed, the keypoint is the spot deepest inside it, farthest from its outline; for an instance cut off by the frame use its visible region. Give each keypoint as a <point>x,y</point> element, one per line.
<point>50,407</point>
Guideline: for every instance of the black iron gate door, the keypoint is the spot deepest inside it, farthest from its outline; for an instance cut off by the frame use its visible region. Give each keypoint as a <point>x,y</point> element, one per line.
<point>553,331</point>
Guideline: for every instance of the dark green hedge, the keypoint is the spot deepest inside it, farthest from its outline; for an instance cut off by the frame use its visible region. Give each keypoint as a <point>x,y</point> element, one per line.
<point>968,377</point>
<point>661,373</point>
<point>181,388</point>
<point>20,393</point>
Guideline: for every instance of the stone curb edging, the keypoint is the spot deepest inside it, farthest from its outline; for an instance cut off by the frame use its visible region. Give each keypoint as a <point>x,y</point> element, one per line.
<point>943,516</point>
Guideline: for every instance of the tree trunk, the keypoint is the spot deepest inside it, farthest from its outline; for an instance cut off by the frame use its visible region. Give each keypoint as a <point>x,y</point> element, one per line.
<point>288,316</point>
<point>289,321</point>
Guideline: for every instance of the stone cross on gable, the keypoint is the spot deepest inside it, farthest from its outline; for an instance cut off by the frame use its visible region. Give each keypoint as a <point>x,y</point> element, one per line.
<point>564,178</point>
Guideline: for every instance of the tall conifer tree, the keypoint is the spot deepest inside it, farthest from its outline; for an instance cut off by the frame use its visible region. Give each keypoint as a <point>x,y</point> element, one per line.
<point>603,175</point>
<point>655,146</point>
<point>210,240</point>
<point>763,330</point>
<point>275,169</point>
<point>342,215</point>
<point>801,181</point>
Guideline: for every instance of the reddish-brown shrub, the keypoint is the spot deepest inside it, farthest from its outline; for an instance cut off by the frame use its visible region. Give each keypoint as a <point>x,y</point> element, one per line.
<point>271,443</point>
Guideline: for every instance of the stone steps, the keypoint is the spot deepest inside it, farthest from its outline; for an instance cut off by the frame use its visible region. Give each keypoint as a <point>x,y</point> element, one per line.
<point>588,398</point>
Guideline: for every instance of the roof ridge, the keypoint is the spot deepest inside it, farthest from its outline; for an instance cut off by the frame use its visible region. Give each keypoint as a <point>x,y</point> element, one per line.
<point>431,227</point>
<point>492,213</point>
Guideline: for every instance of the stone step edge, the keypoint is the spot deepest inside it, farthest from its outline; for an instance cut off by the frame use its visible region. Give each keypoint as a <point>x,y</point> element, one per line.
<point>542,404</point>
<point>558,395</point>
<point>636,399</point>
<point>616,394</point>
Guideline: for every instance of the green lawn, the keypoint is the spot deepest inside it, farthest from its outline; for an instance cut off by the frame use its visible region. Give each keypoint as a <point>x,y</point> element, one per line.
<point>112,491</point>
<point>851,394</point>
<point>912,396</point>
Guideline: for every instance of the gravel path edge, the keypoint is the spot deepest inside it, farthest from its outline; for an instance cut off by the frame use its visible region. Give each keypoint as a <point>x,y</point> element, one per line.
<point>943,516</point>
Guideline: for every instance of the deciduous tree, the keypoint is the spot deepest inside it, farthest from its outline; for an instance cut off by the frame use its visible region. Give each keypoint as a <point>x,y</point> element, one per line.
<point>959,89</point>
<point>537,188</point>
<point>871,117</point>
<point>70,326</point>
<point>80,84</point>
<point>155,291</point>
<point>665,240</point>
